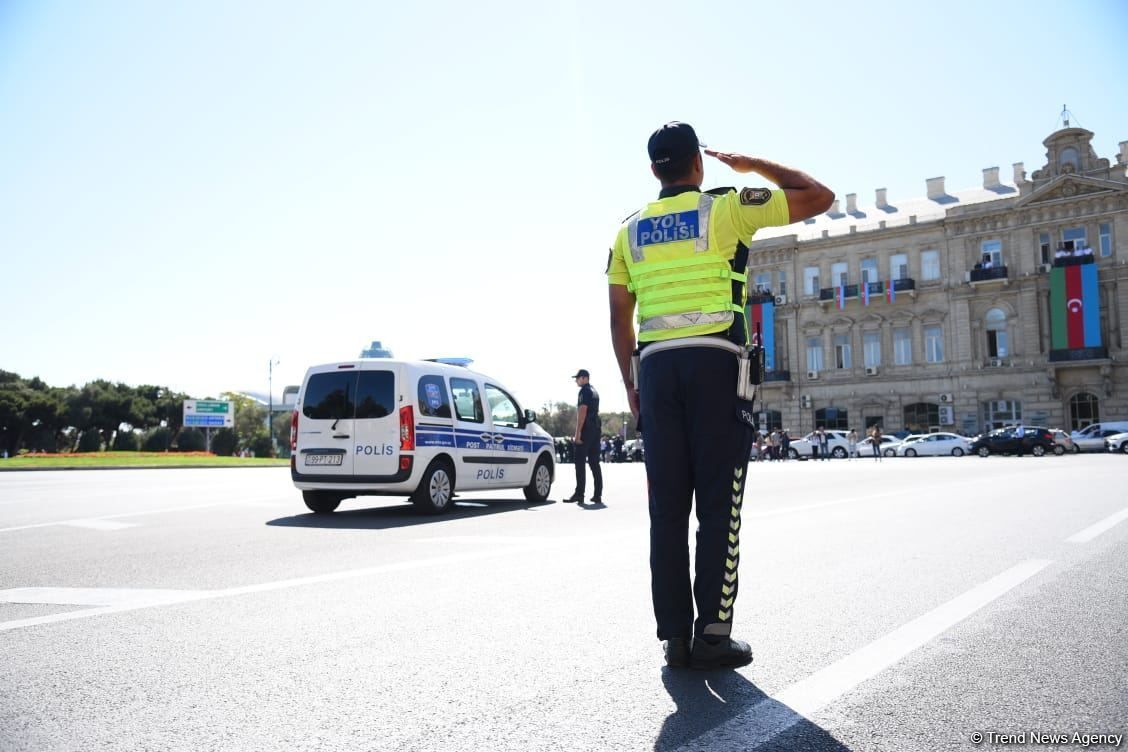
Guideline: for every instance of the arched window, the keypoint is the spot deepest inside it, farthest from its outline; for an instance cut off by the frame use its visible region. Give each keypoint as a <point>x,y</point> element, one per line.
<point>996,326</point>
<point>771,420</point>
<point>1084,409</point>
<point>920,416</point>
<point>1070,159</point>
<point>832,417</point>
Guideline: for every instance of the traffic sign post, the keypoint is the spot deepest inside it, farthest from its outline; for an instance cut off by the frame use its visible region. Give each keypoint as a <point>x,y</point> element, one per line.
<point>209,414</point>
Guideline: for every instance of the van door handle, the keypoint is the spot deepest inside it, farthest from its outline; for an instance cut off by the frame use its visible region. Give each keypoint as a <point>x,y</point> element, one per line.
<point>340,436</point>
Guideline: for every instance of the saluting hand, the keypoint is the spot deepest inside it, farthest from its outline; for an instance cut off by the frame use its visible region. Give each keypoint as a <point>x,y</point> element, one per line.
<point>738,162</point>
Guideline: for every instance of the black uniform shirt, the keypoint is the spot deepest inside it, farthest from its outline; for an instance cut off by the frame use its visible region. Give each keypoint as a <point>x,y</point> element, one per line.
<point>590,397</point>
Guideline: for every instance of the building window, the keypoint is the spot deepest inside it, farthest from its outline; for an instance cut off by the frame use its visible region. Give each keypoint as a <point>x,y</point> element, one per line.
<point>871,348</point>
<point>762,282</point>
<point>902,346</point>
<point>1070,160</point>
<point>1084,410</point>
<point>833,418</point>
<point>1105,236</point>
<point>933,344</point>
<point>869,271</point>
<point>996,324</point>
<point>1001,413</point>
<point>771,420</point>
<point>842,353</point>
<point>991,251</point>
<point>814,354</point>
<point>930,265</point>
<point>840,274</point>
<point>811,280</point>
<point>872,420</point>
<point>921,417</point>
<point>1073,238</point>
<point>898,266</point>
<point>781,288</point>
<point>1044,247</point>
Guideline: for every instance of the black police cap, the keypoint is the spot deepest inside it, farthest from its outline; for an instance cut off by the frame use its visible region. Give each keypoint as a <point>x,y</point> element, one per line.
<point>672,141</point>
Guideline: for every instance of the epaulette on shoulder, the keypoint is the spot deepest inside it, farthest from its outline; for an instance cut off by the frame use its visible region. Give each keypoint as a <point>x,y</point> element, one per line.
<point>721,191</point>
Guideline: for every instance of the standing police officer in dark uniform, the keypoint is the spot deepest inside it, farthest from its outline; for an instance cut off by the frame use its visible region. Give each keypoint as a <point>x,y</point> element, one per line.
<point>587,438</point>
<point>682,261</point>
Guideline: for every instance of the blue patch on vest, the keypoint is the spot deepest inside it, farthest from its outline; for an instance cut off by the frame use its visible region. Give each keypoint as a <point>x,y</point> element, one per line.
<point>667,228</point>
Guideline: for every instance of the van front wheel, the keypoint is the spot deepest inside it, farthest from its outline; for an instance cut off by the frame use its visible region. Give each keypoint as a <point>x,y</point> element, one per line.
<point>436,491</point>
<point>541,482</point>
<point>321,502</point>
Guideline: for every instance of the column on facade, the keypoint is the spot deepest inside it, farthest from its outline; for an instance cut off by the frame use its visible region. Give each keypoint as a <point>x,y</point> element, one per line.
<point>961,332</point>
<point>917,340</point>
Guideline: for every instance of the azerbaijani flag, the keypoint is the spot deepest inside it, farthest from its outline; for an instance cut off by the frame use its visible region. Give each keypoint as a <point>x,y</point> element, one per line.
<point>761,317</point>
<point>890,293</point>
<point>841,296</point>
<point>1075,307</point>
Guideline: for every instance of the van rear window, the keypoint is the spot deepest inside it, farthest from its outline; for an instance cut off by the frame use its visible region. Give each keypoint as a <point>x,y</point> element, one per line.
<point>375,394</point>
<point>329,396</point>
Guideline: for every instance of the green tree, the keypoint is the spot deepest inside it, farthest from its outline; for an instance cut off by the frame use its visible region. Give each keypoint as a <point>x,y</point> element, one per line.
<point>250,419</point>
<point>282,433</point>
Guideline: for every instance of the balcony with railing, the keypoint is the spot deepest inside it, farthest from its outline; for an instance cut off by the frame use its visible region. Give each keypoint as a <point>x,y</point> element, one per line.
<point>1074,260</point>
<point>829,295</point>
<point>1065,357</point>
<point>777,376</point>
<point>989,275</point>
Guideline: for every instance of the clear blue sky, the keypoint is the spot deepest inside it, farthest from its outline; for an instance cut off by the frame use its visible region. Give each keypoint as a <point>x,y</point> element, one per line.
<point>187,189</point>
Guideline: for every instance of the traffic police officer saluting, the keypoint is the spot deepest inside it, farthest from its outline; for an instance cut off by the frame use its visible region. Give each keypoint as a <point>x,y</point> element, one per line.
<point>683,260</point>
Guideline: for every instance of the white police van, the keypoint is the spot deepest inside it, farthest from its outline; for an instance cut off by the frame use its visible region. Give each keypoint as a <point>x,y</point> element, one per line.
<point>423,429</point>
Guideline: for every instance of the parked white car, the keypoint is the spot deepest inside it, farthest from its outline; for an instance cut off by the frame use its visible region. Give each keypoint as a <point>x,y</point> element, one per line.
<point>1094,441</point>
<point>836,443</point>
<point>1091,438</point>
<point>889,446</point>
<point>1118,442</point>
<point>934,444</point>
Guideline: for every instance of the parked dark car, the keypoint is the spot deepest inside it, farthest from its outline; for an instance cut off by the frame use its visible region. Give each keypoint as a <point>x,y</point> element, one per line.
<point>1034,440</point>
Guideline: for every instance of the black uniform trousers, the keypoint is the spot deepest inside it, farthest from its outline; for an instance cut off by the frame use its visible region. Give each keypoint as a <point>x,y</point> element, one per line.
<point>588,452</point>
<point>695,447</point>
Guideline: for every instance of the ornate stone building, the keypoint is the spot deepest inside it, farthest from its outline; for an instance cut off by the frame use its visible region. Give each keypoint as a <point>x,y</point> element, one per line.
<point>982,327</point>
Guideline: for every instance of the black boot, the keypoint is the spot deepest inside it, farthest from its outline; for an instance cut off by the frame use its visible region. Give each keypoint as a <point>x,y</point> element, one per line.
<point>725,653</point>
<point>677,652</point>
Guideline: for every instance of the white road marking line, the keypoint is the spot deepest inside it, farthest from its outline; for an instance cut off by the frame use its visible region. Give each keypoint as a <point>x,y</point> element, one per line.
<point>772,716</point>
<point>188,596</point>
<point>68,596</point>
<point>96,524</point>
<point>235,502</point>
<point>1093,531</point>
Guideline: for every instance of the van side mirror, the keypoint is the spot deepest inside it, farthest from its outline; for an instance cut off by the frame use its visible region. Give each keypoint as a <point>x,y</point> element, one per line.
<point>530,416</point>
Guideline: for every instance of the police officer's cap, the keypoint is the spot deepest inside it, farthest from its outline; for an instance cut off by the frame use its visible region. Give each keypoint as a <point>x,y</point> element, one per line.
<point>672,141</point>
<point>582,372</point>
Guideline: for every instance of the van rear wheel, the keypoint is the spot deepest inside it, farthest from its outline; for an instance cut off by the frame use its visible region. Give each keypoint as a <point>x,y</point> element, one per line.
<point>321,502</point>
<point>435,494</point>
<point>541,482</point>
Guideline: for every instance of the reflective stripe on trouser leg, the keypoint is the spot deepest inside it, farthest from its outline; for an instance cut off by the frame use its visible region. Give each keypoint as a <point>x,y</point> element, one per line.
<point>723,625</point>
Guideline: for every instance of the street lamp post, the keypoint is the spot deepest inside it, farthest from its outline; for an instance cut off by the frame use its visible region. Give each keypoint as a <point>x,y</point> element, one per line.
<point>270,402</point>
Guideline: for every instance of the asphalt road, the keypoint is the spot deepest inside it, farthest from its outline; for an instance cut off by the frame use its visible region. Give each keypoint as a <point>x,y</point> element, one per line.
<point>903,605</point>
